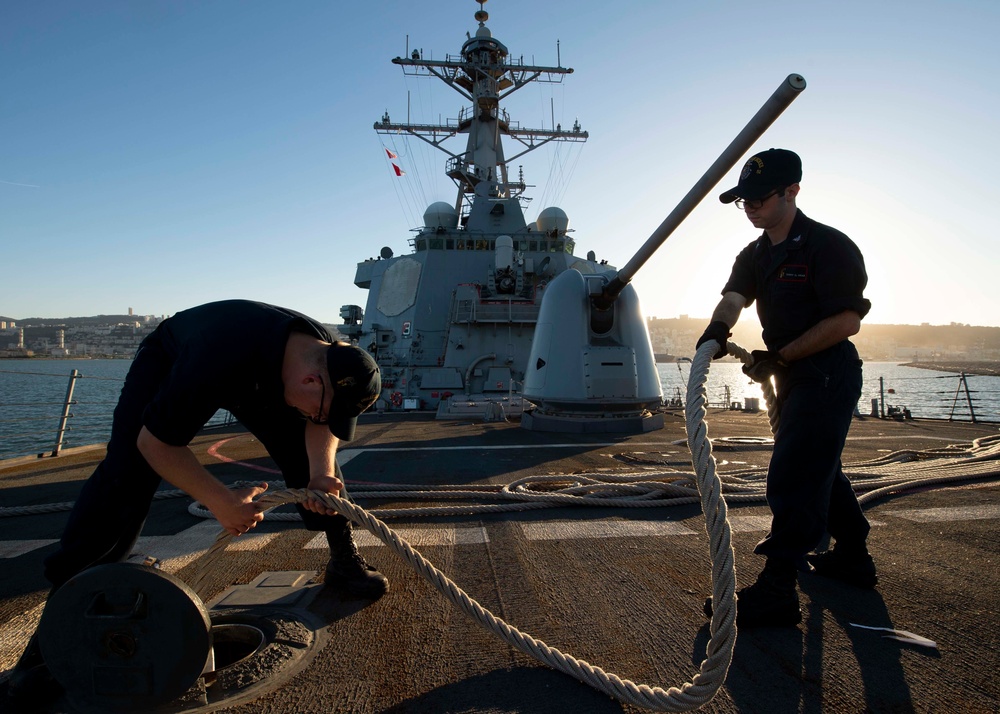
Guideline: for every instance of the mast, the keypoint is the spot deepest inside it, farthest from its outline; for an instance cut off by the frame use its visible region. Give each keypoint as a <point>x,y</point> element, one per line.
<point>483,74</point>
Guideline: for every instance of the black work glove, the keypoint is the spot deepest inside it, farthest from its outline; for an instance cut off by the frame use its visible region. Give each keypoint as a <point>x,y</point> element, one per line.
<point>718,331</point>
<point>764,364</point>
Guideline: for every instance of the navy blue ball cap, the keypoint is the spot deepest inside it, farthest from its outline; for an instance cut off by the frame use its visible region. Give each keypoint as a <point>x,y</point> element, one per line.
<point>763,173</point>
<point>356,384</point>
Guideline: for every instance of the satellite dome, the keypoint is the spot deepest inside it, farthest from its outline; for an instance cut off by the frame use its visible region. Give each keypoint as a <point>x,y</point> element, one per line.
<point>552,219</point>
<point>440,214</point>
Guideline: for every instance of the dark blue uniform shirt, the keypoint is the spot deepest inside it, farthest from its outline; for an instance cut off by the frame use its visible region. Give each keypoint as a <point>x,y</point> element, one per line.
<point>815,273</point>
<point>221,355</point>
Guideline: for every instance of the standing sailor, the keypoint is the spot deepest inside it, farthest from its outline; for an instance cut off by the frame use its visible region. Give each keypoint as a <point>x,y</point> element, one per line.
<point>807,280</point>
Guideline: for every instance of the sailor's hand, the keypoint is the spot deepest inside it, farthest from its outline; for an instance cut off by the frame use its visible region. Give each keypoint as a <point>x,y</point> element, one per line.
<point>239,513</point>
<point>763,364</point>
<point>326,484</point>
<point>718,331</point>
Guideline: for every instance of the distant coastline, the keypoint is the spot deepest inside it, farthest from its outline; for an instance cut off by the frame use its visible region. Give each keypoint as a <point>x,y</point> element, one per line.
<point>983,368</point>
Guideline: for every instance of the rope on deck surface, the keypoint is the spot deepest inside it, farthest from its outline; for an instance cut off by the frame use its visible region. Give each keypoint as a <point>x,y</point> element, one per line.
<point>719,651</point>
<point>628,490</point>
<point>638,490</point>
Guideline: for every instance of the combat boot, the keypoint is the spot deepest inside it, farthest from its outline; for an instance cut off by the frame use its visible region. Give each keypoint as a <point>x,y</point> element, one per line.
<point>347,571</point>
<point>852,566</point>
<point>772,601</point>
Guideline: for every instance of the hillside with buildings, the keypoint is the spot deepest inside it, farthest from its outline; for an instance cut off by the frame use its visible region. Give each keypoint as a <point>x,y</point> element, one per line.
<point>96,336</point>
<point>120,335</point>
<point>877,343</point>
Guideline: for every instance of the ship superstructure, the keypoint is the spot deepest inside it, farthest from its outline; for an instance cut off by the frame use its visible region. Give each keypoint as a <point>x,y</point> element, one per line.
<point>451,323</point>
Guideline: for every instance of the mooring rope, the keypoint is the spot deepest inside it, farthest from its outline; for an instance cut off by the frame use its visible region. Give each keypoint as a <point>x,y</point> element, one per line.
<point>719,651</point>
<point>645,489</point>
<point>630,490</point>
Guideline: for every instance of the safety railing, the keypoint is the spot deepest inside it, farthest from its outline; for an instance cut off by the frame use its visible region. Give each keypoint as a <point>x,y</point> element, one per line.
<point>953,396</point>
<point>40,417</point>
<point>939,393</point>
<point>34,422</point>
<point>37,422</point>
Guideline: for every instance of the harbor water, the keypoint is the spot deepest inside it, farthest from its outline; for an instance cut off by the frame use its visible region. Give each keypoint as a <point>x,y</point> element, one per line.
<point>32,393</point>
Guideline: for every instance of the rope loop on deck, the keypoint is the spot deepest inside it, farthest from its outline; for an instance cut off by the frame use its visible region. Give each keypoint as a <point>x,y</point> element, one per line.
<point>684,698</point>
<point>952,463</point>
<point>719,651</point>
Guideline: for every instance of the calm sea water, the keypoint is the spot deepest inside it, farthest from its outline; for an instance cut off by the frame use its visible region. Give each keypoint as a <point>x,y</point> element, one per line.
<point>32,393</point>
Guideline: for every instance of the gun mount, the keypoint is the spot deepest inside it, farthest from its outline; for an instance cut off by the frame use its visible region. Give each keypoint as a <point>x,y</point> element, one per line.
<point>591,366</point>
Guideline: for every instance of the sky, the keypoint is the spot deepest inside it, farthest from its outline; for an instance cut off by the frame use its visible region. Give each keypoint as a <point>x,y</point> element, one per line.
<point>157,154</point>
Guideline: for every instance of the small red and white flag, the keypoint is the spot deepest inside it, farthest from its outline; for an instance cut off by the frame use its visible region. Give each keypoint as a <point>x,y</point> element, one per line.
<point>391,155</point>
<point>399,171</point>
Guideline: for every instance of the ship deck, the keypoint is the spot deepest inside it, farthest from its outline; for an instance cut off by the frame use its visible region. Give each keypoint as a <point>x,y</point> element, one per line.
<point>619,588</point>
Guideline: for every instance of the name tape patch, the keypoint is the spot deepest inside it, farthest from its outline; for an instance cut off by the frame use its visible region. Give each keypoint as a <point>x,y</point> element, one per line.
<point>793,273</point>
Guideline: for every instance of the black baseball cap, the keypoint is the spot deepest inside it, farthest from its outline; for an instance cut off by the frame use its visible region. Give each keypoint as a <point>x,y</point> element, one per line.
<point>356,384</point>
<point>764,172</point>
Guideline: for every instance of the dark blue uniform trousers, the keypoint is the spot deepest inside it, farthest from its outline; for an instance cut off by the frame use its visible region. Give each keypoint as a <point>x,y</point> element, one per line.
<point>109,513</point>
<point>807,491</point>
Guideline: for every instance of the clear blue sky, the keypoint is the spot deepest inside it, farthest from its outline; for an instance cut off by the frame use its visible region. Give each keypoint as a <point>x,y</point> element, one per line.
<point>157,155</point>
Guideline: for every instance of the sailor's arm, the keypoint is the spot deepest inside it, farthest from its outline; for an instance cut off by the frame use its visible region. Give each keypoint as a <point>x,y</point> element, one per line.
<point>321,448</point>
<point>729,308</point>
<point>180,467</point>
<point>725,315</point>
<point>825,333</point>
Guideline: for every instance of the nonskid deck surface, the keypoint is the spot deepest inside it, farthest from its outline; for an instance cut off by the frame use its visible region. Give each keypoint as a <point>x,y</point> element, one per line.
<point>619,588</point>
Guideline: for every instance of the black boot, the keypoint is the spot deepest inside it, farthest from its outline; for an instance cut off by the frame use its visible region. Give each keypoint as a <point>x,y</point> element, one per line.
<point>30,684</point>
<point>348,571</point>
<point>851,565</point>
<point>772,601</point>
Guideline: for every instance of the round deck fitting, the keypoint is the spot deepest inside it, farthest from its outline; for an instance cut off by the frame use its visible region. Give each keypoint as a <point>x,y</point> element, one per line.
<point>233,643</point>
<point>257,649</point>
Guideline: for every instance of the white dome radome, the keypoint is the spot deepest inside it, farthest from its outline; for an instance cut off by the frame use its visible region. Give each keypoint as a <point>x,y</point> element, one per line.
<point>552,219</point>
<point>440,214</point>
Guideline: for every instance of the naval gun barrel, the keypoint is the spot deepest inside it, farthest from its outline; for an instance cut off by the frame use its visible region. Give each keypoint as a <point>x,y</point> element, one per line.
<point>790,88</point>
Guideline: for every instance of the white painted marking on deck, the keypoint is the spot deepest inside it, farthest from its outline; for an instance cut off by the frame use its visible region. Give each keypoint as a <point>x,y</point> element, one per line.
<point>749,524</point>
<point>14,548</point>
<point>954,513</point>
<point>176,551</point>
<point>579,530</point>
<point>746,524</point>
<point>417,537</point>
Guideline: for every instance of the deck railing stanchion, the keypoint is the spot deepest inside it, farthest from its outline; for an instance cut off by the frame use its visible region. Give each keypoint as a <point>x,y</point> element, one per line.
<point>73,376</point>
<point>968,397</point>
<point>881,396</point>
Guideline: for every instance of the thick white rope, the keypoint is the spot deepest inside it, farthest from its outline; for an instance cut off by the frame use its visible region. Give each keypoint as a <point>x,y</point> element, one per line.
<point>629,490</point>
<point>719,651</point>
<point>685,698</point>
